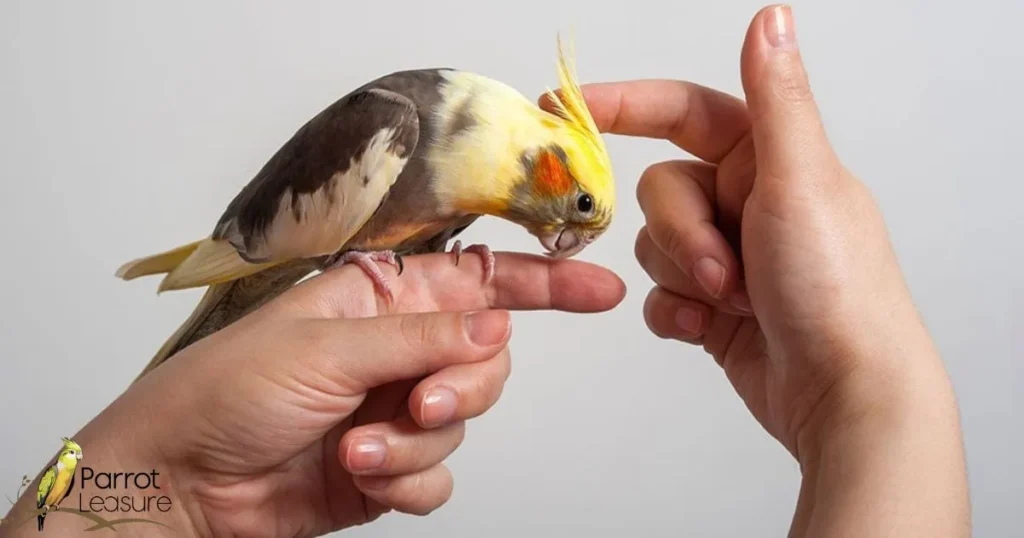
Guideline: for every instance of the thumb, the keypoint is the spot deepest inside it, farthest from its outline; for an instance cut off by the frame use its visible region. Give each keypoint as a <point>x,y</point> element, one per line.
<point>363,353</point>
<point>788,134</point>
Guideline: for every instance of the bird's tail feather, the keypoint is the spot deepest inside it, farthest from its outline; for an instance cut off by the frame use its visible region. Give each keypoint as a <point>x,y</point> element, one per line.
<point>186,333</point>
<point>200,263</point>
<point>226,302</point>
<point>161,263</point>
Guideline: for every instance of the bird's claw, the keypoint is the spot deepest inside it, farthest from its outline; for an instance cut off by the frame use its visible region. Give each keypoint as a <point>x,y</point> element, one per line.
<point>485,253</point>
<point>368,262</point>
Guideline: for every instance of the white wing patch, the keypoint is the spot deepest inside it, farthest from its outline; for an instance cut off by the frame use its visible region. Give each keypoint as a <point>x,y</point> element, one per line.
<point>321,222</point>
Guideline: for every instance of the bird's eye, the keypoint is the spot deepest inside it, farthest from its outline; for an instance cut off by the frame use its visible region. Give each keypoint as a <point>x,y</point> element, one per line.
<point>584,203</point>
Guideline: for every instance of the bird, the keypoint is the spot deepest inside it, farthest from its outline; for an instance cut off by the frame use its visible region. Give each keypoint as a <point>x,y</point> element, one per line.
<point>398,166</point>
<point>58,481</point>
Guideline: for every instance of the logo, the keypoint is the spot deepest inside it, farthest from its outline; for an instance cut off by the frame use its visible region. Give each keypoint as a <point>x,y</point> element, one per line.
<point>107,499</point>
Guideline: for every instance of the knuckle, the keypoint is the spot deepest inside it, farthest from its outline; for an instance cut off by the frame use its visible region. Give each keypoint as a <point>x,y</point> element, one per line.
<point>418,331</point>
<point>506,367</point>
<point>643,184</point>
<point>459,435</point>
<point>674,242</point>
<point>641,247</point>
<point>307,337</point>
<point>653,325</point>
<point>486,388</point>
<point>649,179</point>
<point>420,488</point>
<point>312,341</point>
<point>445,488</point>
<point>790,84</point>
<point>651,319</point>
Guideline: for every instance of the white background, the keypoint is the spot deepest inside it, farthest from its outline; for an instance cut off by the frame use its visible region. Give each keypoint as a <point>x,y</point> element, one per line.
<point>126,127</point>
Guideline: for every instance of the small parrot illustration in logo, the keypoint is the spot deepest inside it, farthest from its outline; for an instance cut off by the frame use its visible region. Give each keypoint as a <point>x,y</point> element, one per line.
<point>59,479</point>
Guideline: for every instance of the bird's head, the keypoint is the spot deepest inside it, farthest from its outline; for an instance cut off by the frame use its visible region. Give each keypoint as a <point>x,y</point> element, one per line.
<point>71,453</point>
<point>567,196</point>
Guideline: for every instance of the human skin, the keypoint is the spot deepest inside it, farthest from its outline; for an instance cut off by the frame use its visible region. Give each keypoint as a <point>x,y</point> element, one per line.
<point>778,262</point>
<point>809,317</point>
<point>267,427</point>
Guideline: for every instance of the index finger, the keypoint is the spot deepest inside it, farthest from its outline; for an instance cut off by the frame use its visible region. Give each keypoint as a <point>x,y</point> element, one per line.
<point>704,122</point>
<point>432,282</point>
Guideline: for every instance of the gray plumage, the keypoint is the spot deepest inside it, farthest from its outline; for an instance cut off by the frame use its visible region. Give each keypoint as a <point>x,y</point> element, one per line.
<point>309,165</point>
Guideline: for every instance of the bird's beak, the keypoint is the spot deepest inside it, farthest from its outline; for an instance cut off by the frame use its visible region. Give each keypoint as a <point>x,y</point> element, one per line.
<point>78,456</point>
<point>564,242</point>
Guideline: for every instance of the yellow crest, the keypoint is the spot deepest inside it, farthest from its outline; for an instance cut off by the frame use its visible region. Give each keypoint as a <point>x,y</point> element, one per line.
<point>570,105</point>
<point>70,445</point>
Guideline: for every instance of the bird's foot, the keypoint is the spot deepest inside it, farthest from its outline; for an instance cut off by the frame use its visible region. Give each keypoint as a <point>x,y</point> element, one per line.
<point>368,262</point>
<point>483,250</point>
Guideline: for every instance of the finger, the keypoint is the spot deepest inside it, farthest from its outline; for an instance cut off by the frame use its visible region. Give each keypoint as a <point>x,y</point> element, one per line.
<point>384,403</point>
<point>670,316</point>
<point>358,354</point>
<point>786,126</point>
<point>664,272</point>
<point>434,281</point>
<point>675,198</point>
<point>459,392</point>
<point>418,493</point>
<point>397,447</point>
<point>704,122</point>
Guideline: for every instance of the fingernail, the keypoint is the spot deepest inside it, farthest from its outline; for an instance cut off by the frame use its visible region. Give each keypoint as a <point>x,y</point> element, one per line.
<point>779,28</point>
<point>710,275</point>
<point>689,320</point>
<point>438,406</point>
<point>366,455</point>
<point>741,301</point>
<point>488,327</point>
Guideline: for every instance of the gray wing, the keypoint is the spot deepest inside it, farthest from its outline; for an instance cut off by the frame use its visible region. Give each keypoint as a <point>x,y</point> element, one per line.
<point>326,181</point>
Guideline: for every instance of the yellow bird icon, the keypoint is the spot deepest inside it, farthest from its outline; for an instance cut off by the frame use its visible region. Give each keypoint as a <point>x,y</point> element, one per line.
<point>58,480</point>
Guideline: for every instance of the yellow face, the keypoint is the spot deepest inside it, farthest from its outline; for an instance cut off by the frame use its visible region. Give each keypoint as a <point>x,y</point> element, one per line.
<point>71,452</point>
<point>567,198</point>
<point>571,178</point>
<point>557,181</point>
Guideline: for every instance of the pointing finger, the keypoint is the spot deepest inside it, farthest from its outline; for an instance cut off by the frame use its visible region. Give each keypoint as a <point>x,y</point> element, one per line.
<point>702,121</point>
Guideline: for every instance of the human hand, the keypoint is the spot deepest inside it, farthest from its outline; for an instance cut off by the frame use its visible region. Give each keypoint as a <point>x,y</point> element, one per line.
<point>298,420</point>
<point>776,260</point>
<point>774,257</point>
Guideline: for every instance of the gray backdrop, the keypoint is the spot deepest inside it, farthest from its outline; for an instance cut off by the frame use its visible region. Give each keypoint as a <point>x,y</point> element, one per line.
<point>125,129</point>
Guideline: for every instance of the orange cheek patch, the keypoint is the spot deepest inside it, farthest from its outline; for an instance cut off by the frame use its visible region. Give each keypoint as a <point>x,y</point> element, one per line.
<point>550,176</point>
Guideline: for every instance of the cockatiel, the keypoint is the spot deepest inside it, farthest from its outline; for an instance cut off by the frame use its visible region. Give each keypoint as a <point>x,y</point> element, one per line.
<point>58,480</point>
<point>399,166</point>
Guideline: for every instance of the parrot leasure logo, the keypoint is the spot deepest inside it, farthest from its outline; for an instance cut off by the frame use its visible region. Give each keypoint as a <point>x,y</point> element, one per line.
<point>108,499</point>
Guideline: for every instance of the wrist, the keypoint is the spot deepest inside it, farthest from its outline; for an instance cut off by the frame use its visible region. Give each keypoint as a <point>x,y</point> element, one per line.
<point>885,454</point>
<point>888,379</point>
<point>880,396</point>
